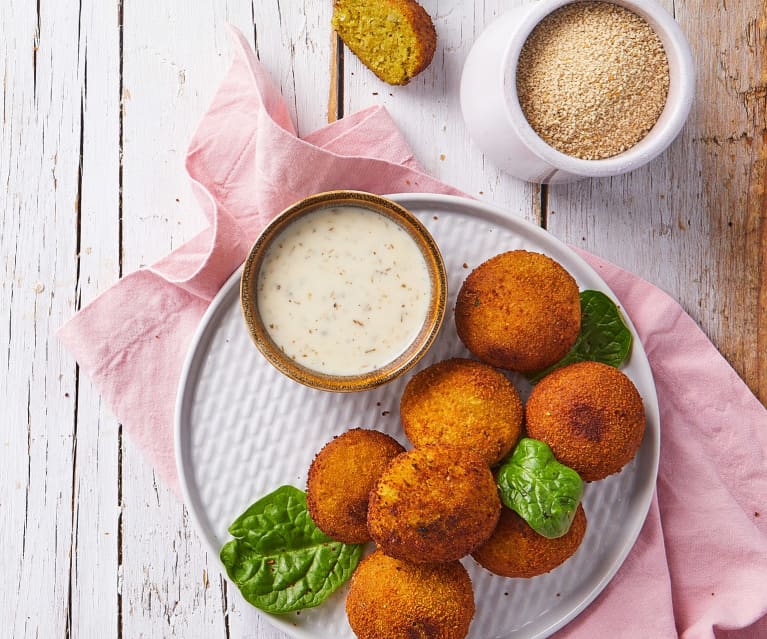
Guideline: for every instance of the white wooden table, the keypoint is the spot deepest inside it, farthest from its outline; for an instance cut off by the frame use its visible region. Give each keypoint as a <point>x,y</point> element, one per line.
<point>99,101</point>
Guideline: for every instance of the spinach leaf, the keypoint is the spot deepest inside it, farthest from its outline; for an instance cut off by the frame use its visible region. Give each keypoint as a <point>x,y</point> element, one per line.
<point>603,337</point>
<point>539,489</point>
<point>280,560</point>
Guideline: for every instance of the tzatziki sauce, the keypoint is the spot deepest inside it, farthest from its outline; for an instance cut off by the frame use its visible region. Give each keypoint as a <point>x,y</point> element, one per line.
<point>343,290</point>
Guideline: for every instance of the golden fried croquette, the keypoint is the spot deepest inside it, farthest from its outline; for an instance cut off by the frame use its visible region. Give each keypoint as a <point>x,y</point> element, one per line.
<point>340,479</point>
<point>393,599</point>
<point>463,403</point>
<point>519,311</point>
<point>433,503</point>
<point>591,415</point>
<point>516,550</point>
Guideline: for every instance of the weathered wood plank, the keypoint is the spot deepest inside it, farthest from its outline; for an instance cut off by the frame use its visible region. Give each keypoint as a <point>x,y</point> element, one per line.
<point>173,60</point>
<point>39,138</point>
<point>692,221</point>
<point>95,539</point>
<point>293,43</point>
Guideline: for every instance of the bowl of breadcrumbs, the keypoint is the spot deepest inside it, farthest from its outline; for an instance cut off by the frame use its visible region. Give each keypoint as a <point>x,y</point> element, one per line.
<point>568,89</point>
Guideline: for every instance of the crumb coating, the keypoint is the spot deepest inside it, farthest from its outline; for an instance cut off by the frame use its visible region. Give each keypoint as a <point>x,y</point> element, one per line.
<point>519,311</point>
<point>434,503</point>
<point>591,415</point>
<point>340,479</point>
<point>393,599</point>
<point>463,403</point>
<point>516,550</point>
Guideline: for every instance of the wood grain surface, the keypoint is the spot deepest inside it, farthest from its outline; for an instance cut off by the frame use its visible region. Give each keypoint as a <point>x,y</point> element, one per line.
<point>100,98</point>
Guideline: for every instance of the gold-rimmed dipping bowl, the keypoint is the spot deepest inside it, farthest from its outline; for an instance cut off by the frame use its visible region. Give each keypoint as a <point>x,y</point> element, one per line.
<point>411,352</point>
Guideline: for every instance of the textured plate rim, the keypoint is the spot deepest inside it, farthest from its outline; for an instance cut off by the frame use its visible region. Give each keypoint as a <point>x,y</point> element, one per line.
<point>450,203</point>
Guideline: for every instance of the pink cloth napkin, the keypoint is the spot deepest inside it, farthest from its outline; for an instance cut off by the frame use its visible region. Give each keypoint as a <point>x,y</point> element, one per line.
<point>699,568</point>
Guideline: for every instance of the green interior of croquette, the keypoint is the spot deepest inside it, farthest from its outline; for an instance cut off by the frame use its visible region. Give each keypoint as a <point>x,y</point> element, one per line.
<point>380,37</point>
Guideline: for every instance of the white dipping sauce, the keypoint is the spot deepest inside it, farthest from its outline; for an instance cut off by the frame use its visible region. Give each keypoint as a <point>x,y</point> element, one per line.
<point>343,290</point>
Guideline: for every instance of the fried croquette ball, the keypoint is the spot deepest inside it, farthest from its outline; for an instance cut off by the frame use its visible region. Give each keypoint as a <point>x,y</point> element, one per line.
<point>591,415</point>
<point>516,550</point>
<point>340,479</point>
<point>463,403</point>
<point>393,599</point>
<point>519,311</point>
<point>433,503</point>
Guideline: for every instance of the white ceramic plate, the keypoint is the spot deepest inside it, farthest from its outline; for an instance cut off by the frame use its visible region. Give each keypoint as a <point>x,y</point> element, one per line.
<point>243,429</point>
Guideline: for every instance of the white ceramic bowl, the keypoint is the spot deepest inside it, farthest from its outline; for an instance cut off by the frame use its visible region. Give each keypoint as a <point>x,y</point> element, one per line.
<point>498,126</point>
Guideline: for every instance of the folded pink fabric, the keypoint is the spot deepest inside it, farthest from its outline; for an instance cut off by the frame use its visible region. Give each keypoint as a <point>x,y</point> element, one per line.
<point>699,568</point>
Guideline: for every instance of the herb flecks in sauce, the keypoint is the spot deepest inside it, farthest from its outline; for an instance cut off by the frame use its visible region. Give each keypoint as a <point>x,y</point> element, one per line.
<point>344,290</point>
